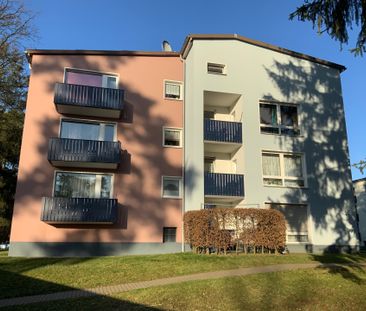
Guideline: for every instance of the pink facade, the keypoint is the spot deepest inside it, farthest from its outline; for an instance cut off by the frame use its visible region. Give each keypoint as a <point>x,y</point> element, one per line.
<point>142,212</point>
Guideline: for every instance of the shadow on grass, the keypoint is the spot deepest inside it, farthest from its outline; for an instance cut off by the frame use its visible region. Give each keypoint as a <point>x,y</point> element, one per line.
<point>345,265</point>
<point>9,288</point>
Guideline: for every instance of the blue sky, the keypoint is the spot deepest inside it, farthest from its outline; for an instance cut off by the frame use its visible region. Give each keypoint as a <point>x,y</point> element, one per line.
<point>144,24</point>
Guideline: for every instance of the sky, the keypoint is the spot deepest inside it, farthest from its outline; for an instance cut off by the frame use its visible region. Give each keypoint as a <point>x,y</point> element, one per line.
<point>144,24</point>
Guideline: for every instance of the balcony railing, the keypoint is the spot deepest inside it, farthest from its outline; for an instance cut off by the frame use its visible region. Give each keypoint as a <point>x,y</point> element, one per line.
<point>79,210</point>
<point>222,131</point>
<point>88,100</point>
<point>226,185</point>
<point>84,153</point>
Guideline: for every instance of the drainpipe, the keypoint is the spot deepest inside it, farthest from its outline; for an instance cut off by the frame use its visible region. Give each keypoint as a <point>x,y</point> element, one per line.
<point>184,151</point>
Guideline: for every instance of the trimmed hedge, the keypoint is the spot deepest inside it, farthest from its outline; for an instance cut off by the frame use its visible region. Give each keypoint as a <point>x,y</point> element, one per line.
<point>240,229</point>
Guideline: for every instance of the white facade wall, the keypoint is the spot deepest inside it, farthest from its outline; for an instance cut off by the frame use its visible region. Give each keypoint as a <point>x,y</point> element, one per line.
<point>258,73</point>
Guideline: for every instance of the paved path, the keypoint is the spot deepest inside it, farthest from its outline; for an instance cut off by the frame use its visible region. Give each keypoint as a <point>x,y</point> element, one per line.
<point>113,289</point>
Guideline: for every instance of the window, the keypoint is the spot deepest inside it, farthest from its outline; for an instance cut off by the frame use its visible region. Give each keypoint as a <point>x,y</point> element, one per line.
<point>90,78</point>
<point>169,234</point>
<point>172,137</point>
<point>173,90</point>
<point>80,185</point>
<point>296,216</point>
<point>209,163</point>
<point>87,130</point>
<point>216,68</point>
<point>209,114</point>
<point>283,169</point>
<point>278,118</point>
<point>172,187</point>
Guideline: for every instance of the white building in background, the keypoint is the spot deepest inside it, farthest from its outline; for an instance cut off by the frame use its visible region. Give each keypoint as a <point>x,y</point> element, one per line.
<point>359,186</point>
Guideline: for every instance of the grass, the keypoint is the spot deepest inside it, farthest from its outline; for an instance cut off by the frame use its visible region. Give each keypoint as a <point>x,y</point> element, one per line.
<point>340,288</point>
<point>31,276</point>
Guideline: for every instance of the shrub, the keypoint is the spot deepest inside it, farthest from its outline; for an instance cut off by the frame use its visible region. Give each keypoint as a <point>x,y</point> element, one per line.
<point>246,229</point>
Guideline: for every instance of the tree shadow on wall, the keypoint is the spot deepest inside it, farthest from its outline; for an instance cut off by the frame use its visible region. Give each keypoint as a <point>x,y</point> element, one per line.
<point>323,140</point>
<point>144,160</point>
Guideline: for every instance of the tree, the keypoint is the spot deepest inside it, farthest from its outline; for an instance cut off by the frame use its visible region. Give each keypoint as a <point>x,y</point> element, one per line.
<point>15,27</point>
<point>336,17</point>
<point>360,165</point>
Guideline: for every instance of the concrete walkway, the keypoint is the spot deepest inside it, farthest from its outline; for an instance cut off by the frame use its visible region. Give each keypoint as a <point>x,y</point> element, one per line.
<point>113,289</point>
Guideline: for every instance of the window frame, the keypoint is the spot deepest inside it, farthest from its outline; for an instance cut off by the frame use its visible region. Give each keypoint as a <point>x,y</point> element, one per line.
<point>279,125</point>
<point>180,83</point>
<point>164,240</point>
<point>104,75</point>
<point>308,221</point>
<point>76,120</point>
<point>180,186</point>
<point>180,136</point>
<point>283,177</point>
<point>97,187</point>
<point>223,66</point>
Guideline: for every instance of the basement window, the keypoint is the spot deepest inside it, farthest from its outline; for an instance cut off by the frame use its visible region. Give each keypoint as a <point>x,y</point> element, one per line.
<point>169,234</point>
<point>214,68</point>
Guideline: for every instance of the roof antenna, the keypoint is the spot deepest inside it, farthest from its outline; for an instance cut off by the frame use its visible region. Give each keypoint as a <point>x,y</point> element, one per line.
<point>166,46</point>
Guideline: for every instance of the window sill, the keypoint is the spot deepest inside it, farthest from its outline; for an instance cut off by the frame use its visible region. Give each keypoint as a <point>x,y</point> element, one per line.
<point>283,135</point>
<point>174,198</point>
<point>175,99</point>
<point>216,73</point>
<point>175,147</point>
<point>291,187</point>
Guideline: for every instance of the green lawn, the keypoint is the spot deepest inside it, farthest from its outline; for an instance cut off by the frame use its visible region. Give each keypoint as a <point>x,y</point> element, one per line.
<point>317,289</point>
<point>30,276</point>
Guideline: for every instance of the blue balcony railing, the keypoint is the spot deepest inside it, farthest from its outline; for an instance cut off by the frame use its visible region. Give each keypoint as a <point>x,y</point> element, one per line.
<point>88,100</point>
<point>227,185</point>
<point>65,151</point>
<point>222,131</point>
<point>79,210</point>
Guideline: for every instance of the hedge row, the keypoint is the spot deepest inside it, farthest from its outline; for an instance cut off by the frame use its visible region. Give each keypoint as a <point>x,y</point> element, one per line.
<point>239,229</point>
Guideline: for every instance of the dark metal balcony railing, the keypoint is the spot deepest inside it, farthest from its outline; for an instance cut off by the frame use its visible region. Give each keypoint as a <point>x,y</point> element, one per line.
<point>222,131</point>
<point>79,210</point>
<point>79,150</point>
<point>228,185</point>
<point>88,96</point>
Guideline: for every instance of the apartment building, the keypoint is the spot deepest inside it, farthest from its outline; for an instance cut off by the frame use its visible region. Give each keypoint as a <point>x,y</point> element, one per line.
<point>100,169</point>
<point>117,145</point>
<point>359,186</point>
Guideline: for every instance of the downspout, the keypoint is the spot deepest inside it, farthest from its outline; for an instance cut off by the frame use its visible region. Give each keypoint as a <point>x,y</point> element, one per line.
<point>184,156</point>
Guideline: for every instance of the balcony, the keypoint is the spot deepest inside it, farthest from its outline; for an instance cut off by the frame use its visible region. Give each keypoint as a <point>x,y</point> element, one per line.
<point>224,185</point>
<point>222,136</point>
<point>59,210</point>
<point>89,101</point>
<point>66,152</point>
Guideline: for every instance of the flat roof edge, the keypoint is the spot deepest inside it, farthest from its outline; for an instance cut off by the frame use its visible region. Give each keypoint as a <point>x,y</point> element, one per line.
<point>190,38</point>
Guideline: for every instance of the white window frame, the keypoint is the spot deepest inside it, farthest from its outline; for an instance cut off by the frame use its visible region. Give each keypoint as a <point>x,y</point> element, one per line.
<point>98,181</point>
<point>283,177</point>
<point>101,132</point>
<point>180,136</point>
<point>308,221</point>
<point>180,180</point>
<point>218,65</point>
<point>180,83</point>
<point>104,75</point>
<point>279,126</point>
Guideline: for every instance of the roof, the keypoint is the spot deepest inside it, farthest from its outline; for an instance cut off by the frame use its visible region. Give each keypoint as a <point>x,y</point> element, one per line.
<point>30,52</point>
<point>185,50</point>
<point>358,180</point>
<point>190,38</point>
